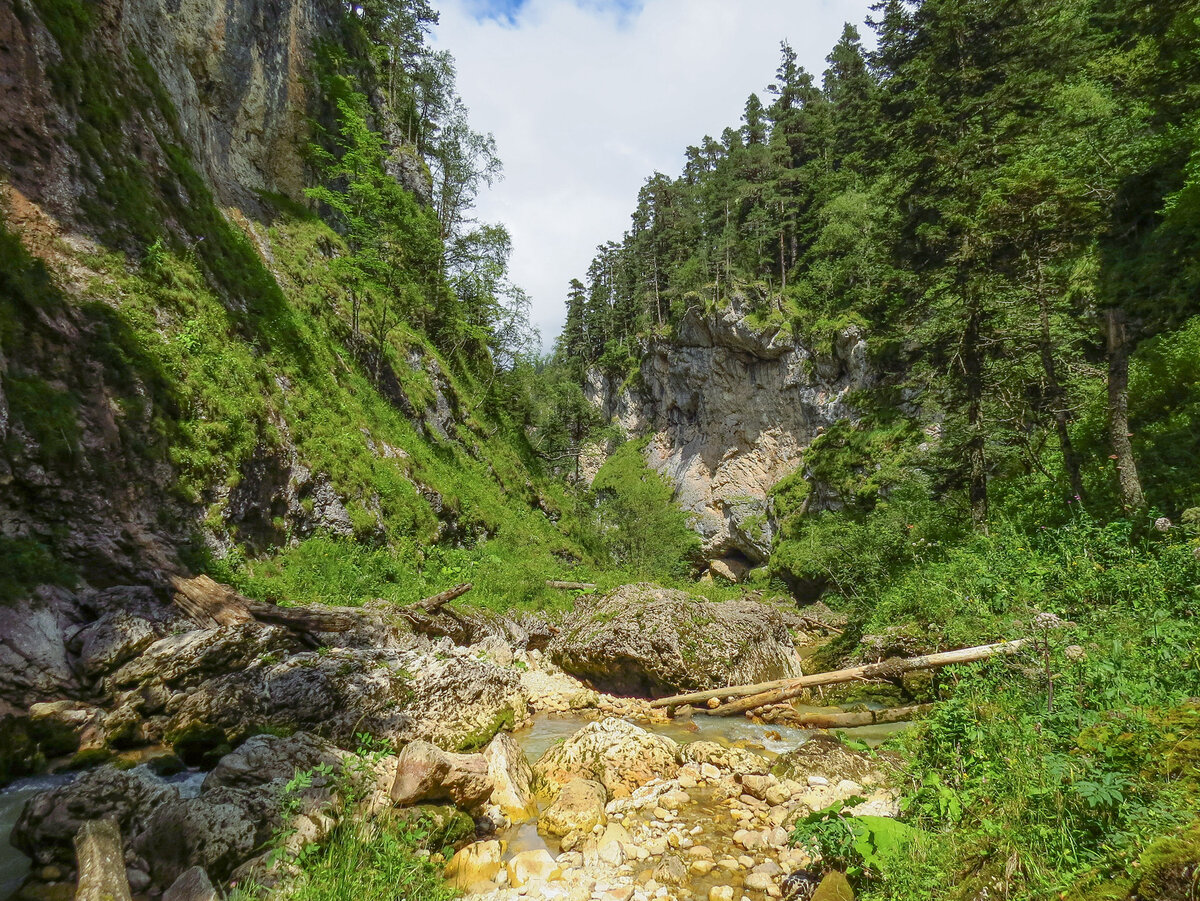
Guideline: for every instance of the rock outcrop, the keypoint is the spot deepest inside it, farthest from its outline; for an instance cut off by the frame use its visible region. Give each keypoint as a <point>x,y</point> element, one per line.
<point>618,755</point>
<point>730,409</point>
<point>647,641</point>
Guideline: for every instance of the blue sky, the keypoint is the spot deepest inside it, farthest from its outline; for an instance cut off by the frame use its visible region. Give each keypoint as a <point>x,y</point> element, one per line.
<point>587,98</point>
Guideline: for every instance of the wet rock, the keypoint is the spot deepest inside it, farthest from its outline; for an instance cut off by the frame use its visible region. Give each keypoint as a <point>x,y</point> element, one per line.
<point>578,808</point>
<point>528,866</point>
<point>720,893</point>
<point>612,752</point>
<point>823,757</point>
<point>759,882</point>
<point>737,761</point>
<point>511,777</point>
<point>647,641</point>
<point>427,773</point>
<point>474,865</point>
<point>192,885</point>
<point>671,870</point>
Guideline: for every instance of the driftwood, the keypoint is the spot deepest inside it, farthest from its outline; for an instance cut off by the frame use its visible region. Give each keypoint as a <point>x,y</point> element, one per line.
<point>571,586</point>
<point>434,603</point>
<point>213,604</point>
<point>101,859</point>
<point>811,622</point>
<point>888,669</point>
<point>791,717</point>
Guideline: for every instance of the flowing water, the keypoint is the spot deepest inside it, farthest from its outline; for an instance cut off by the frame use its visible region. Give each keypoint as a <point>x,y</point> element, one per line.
<point>14,866</point>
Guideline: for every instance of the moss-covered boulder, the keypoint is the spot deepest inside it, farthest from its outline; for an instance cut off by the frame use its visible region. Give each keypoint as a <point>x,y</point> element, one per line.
<point>646,641</point>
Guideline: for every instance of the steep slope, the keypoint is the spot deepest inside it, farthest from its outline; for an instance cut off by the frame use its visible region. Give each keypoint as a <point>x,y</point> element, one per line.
<point>180,385</point>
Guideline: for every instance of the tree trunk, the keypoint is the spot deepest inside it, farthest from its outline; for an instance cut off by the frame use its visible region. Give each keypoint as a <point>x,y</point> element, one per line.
<point>977,492</point>
<point>101,862</point>
<point>789,717</point>
<point>1129,485</point>
<point>888,669</point>
<point>1057,397</point>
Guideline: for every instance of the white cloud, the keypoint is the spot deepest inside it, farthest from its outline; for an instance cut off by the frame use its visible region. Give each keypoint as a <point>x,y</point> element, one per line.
<point>586,103</point>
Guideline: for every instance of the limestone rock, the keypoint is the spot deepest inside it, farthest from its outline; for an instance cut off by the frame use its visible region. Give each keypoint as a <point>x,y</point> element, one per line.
<point>427,773</point>
<point>617,754</point>
<point>511,777</point>
<point>192,885</point>
<point>115,638</point>
<point>737,761</point>
<point>34,662</point>
<point>824,757</point>
<point>528,866</point>
<point>646,641</point>
<point>578,808</point>
<point>476,863</point>
<point>267,758</point>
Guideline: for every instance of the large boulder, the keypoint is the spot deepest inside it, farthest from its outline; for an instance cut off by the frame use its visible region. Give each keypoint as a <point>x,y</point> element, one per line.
<point>825,757</point>
<point>267,758</point>
<point>646,641</point>
<point>511,778</point>
<point>578,808</point>
<point>427,773</point>
<point>35,664</point>
<point>619,755</point>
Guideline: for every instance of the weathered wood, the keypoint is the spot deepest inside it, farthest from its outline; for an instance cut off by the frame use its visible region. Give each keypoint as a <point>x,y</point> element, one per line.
<point>434,602</point>
<point>212,604</point>
<point>849,720</point>
<point>811,622</point>
<point>101,859</point>
<point>571,586</point>
<point>888,669</point>
<point>732,691</point>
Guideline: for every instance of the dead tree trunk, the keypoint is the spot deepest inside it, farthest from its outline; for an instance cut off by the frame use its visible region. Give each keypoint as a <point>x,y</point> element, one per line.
<point>789,717</point>
<point>888,669</point>
<point>1118,413</point>
<point>213,604</point>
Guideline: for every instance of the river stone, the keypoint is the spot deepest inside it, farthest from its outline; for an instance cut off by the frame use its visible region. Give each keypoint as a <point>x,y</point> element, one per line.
<point>646,641</point>
<point>192,885</point>
<point>617,754</point>
<point>823,757</point>
<point>475,864</point>
<point>671,870</point>
<point>578,808</point>
<point>427,773</point>
<point>46,828</point>
<point>533,865</point>
<point>737,761</point>
<point>267,758</point>
<point>511,778</point>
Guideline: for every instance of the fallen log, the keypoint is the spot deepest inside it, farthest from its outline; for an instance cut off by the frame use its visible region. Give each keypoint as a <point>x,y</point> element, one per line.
<point>212,604</point>
<point>101,860</point>
<point>732,691</point>
<point>887,669</point>
<point>433,603</point>
<point>789,717</point>
<point>571,586</point>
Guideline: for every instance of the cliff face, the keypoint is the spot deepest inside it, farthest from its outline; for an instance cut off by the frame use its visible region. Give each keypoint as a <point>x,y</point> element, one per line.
<point>234,74</point>
<point>730,410</point>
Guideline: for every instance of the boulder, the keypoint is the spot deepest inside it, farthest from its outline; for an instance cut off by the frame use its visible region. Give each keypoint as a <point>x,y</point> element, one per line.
<point>219,686</point>
<point>834,887</point>
<point>475,864</point>
<point>427,773</point>
<point>192,885</point>
<point>824,757</point>
<point>46,829</point>
<point>511,778</point>
<point>269,758</point>
<point>218,830</point>
<point>731,569</point>
<point>34,662</point>
<point>646,641</point>
<point>737,761</point>
<point>578,808</point>
<point>617,754</point>
<point>115,638</point>
<point>530,866</point>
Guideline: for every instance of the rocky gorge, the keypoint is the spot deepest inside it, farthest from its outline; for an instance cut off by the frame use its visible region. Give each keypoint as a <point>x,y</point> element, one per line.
<point>225,745</point>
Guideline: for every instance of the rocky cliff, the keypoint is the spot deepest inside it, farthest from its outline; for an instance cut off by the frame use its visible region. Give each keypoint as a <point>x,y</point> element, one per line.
<point>730,409</point>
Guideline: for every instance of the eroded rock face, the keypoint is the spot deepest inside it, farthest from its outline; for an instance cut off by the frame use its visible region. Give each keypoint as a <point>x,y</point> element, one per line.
<point>647,641</point>
<point>219,686</point>
<point>618,755</point>
<point>730,409</point>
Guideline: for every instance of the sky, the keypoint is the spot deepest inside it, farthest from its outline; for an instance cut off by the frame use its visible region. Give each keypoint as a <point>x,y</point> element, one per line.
<point>588,98</point>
